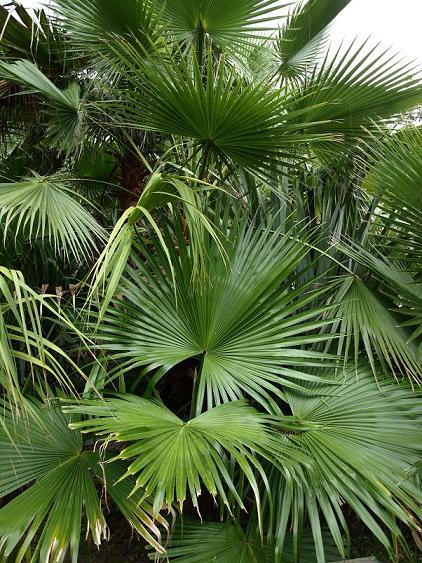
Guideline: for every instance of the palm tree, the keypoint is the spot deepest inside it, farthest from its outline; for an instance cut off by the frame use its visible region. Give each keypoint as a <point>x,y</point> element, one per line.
<point>210,281</point>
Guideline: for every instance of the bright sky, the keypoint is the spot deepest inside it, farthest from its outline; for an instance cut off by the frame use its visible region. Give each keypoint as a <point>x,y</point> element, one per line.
<point>394,23</point>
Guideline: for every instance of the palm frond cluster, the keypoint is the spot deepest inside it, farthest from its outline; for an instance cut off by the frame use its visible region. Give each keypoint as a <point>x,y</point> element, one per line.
<point>210,282</point>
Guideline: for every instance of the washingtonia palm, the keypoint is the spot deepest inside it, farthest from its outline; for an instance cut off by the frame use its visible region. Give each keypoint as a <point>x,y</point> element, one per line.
<point>222,236</point>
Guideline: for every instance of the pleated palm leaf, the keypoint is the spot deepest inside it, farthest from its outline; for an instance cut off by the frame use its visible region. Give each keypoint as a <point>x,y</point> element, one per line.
<point>355,91</point>
<point>45,207</point>
<point>395,180</point>
<point>95,26</point>
<point>172,458</point>
<point>64,110</point>
<point>226,542</point>
<point>245,320</point>
<point>160,191</point>
<point>263,272</point>
<point>364,440</point>
<point>232,120</point>
<point>367,321</point>
<point>226,23</point>
<point>400,286</point>
<point>303,36</point>
<point>39,452</point>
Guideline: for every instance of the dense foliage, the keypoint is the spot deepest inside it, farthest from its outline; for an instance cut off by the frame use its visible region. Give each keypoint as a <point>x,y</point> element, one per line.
<point>210,282</point>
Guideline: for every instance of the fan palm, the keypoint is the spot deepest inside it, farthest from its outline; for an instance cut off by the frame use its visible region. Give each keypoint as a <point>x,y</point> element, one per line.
<point>227,216</point>
<point>38,449</point>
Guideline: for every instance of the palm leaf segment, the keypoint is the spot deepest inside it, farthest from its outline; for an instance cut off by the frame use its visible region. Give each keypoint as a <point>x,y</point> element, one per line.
<point>65,110</point>
<point>302,36</point>
<point>43,207</point>
<point>349,92</point>
<point>226,22</point>
<point>364,440</point>
<point>244,323</point>
<point>22,342</point>
<point>160,191</point>
<point>170,456</point>
<point>36,446</point>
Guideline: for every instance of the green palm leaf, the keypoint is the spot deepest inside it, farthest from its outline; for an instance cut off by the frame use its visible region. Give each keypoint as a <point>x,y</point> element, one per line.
<point>160,191</point>
<point>395,179</point>
<point>25,353</point>
<point>231,119</point>
<point>364,439</point>
<point>65,110</point>
<point>250,331</point>
<point>36,446</point>
<point>398,284</point>
<point>171,457</point>
<point>367,319</point>
<point>95,27</point>
<point>37,38</point>
<point>43,207</point>
<point>302,37</point>
<point>226,542</point>
<point>350,95</point>
<point>227,23</point>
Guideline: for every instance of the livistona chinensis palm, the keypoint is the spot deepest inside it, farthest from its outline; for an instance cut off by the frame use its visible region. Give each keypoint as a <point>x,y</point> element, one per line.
<point>210,280</point>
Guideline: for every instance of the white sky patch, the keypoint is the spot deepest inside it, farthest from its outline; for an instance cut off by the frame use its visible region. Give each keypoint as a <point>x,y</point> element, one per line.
<point>394,23</point>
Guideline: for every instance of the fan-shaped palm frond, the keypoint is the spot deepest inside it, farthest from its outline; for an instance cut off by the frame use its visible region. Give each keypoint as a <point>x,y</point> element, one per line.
<point>403,289</point>
<point>250,330</point>
<point>301,38</point>
<point>65,110</point>
<point>226,542</point>
<point>226,23</point>
<point>365,318</point>
<point>349,93</point>
<point>43,207</point>
<point>95,27</point>
<point>232,120</point>
<point>258,303</point>
<point>170,456</point>
<point>363,439</point>
<point>37,447</point>
<point>395,179</point>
